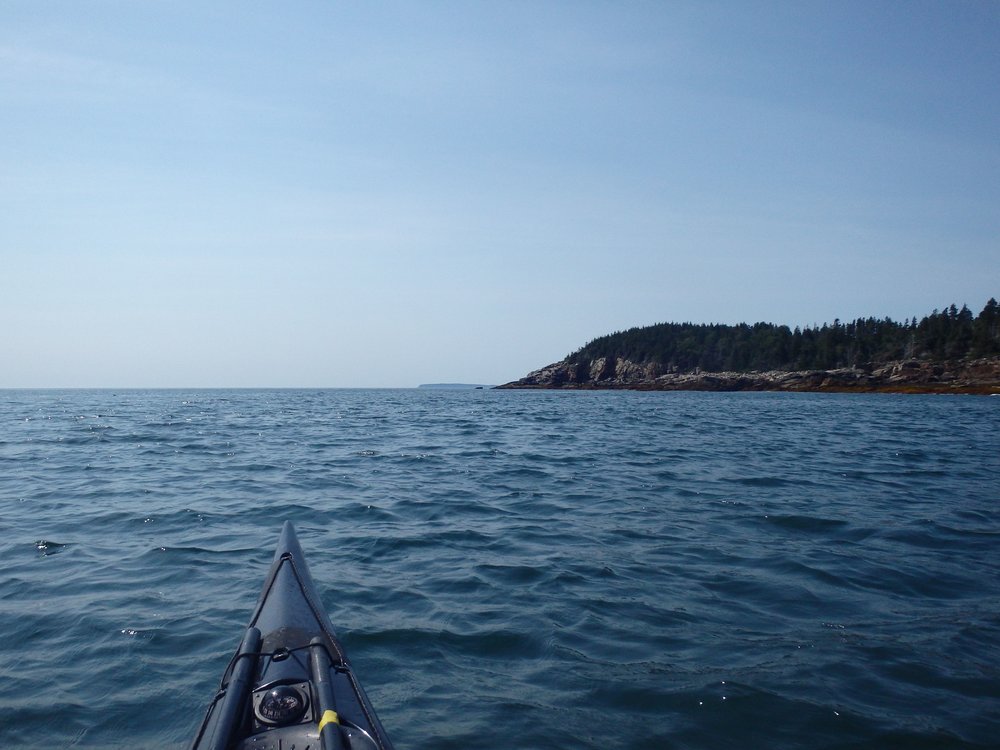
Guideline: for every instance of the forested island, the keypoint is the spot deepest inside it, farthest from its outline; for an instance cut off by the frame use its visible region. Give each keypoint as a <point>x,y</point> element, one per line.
<point>948,351</point>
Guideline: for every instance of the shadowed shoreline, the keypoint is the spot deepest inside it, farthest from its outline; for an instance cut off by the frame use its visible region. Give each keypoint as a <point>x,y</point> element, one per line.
<point>973,377</point>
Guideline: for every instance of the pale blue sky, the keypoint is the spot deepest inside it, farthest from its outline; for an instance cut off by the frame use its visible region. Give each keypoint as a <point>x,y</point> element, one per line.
<point>382,194</point>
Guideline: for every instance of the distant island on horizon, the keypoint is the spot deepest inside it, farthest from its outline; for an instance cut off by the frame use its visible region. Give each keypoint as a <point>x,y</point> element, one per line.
<point>453,386</point>
<point>947,351</point>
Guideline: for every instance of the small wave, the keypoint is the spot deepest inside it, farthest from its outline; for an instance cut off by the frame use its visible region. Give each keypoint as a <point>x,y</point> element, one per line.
<point>138,634</point>
<point>46,547</point>
<point>763,481</point>
<point>198,552</point>
<point>806,523</point>
<point>494,643</point>
<point>511,574</point>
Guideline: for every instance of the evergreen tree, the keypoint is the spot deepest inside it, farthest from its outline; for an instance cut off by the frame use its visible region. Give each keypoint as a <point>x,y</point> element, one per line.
<point>952,333</point>
<point>986,331</point>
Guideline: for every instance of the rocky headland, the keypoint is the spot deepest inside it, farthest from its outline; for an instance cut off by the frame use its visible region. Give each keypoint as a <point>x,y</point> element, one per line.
<point>978,376</point>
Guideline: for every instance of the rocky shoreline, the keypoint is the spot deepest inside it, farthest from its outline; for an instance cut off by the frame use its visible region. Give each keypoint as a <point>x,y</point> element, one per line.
<point>978,377</point>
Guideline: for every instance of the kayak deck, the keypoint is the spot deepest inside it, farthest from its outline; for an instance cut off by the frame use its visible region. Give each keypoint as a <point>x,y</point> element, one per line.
<point>290,684</point>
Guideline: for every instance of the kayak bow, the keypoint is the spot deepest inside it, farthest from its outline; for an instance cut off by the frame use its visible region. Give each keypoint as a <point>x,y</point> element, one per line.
<point>290,684</point>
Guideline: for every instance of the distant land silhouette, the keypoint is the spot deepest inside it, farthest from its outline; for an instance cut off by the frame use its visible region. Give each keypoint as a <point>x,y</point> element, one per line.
<point>453,386</point>
<point>947,351</point>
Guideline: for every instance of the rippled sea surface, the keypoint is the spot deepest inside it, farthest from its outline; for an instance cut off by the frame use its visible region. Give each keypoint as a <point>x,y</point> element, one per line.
<point>513,569</point>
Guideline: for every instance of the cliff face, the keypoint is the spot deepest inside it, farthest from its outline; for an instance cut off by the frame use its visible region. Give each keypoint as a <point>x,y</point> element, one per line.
<point>981,376</point>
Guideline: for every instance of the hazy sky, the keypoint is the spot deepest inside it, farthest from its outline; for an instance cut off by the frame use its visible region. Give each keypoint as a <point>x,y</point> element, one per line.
<point>323,193</point>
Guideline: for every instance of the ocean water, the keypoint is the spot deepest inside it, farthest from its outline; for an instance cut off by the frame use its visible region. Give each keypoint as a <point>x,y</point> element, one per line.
<point>513,569</point>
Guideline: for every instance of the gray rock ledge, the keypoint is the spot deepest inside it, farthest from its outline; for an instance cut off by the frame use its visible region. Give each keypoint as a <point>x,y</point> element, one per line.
<point>981,376</point>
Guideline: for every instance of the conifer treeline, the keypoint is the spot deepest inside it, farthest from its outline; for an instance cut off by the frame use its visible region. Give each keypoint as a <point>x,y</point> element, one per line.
<point>951,334</point>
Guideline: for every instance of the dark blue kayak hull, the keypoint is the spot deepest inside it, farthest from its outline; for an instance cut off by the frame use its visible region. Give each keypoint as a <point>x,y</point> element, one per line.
<point>290,683</point>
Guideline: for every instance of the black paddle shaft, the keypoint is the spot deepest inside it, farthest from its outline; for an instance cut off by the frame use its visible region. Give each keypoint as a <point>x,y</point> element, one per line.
<point>329,722</point>
<point>234,700</point>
